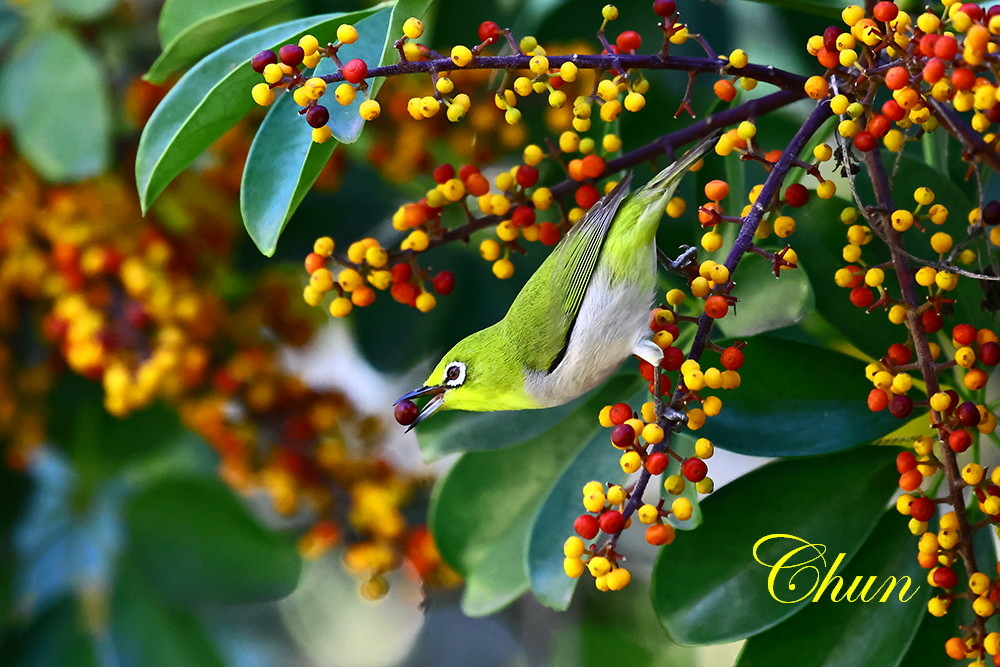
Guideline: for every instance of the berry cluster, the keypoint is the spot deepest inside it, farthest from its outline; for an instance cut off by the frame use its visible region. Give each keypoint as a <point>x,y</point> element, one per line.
<point>286,70</point>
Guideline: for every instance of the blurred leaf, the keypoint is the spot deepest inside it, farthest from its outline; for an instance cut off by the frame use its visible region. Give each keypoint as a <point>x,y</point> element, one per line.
<point>57,637</point>
<point>789,391</point>
<point>196,542</point>
<point>66,138</point>
<point>553,519</point>
<point>209,99</point>
<point>855,632</point>
<point>189,30</point>
<point>826,8</point>
<point>707,586</point>
<point>482,511</point>
<point>766,302</point>
<point>83,10</point>
<point>146,631</point>
<point>457,431</point>
<point>99,443</point>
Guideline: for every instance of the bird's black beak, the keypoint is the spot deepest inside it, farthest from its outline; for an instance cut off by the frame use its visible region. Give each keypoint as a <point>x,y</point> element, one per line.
<point>437,392</point>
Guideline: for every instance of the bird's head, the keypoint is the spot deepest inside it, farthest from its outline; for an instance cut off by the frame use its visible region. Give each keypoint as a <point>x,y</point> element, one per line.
<point>458,382</point>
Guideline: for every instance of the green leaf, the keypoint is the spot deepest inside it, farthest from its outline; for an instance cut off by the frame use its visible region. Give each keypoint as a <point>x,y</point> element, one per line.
<point>209,99</point>
<point>855,632</point>
<point>284,161</point>
<point>146,631</point>
<point>766,302</point>
<point>482,511</point>
<point>707,586</point>
<point>195,542</point>
<point>553,520</point>
<point>188,30</point>
<point>796,400</point>
<point>457,431</point>
<point>67,137</point>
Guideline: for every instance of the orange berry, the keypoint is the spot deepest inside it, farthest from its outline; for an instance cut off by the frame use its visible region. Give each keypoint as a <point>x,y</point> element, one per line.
<point>724,90</point>
<point>717,190</point>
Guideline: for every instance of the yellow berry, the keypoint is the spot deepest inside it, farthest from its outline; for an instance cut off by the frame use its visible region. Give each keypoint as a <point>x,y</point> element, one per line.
<point>573,567</point>
<point>370,110</point>
<point>273,73</point>
<point>682,508</point>
<point>262,94</point>
<point>341,307</point>
<point>503,269</point>
<point>321,134</point>
<point>461,55</point>
<point>618,579</point>
<point>344,94</point>
<point>413,28</point>
<point>609,12</point>
<point>346,33</point>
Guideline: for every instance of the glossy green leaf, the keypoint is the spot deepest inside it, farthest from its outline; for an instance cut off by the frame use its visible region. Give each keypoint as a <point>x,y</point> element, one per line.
<point>765,302</point>
<point>284,161</point>
<point>189,30</point>
<point>457,431</point>
<point>796,400</point>
<point>553,519</point>
<point>209,99</point>
<point>196,542</point>
<point>707,586</point>
<point>68,138</point>
<point>482,511</point>
<point>147,631</point>
<point>853,631</point>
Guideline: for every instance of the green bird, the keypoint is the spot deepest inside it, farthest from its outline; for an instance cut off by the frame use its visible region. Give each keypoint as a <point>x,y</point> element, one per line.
<point>583,312</point>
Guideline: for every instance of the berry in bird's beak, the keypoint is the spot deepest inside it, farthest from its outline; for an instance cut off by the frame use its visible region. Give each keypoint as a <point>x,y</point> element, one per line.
<point>406,410</point>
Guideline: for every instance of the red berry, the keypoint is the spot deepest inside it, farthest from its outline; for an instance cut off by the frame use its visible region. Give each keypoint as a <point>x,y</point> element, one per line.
<point>963,334</point>
<point>406,412</point>
<point>796,195</point>
<point>877,400</point>
<point>931,320</point>
<point>862,297</point>
<point>963,78</point>
<point>527,176</point>
<point>830,36</point>
<point>620,413</point>
<point>694,469</point>
<point>548,233</point>
<point>716,306</point>
<point>900,406</point>
<point>945,47</point>
<point>664,8</point>
<point>857,276</point>
<point>444,283</point>
<point>262,60</point>
<point>945,577</point>
<point>317,116</point>
<point>933,70</point>
<point>489,32</point>
<point>401,273</point>
<point>355,71</point>
<point>523,216</point>
<point>885,11</point>
<point>444,173</point>
<point>467,170</point>
<point>864,141</point>
<point>897,77</point>
<point>314,261</point>
<point>968,414</point>
<point>291,54</point>
<point>893,111</point>
<point>623,436</point>
<point>879,126</point>
<point>646,370</point>
<point>405,293</point>
<point>611,522</point>
<point>657,462</point>
<point>922,508</point>
<point>974,11</point>
<point>586,195</point>
<point>673,357</point>
<point>899,354</point>
<point>732,358</point>
<point>960,440</point>
<point>628,41</point>
<point>905,461</point>
<point>592,166</point>
<point>586,526</point>
<point>989,353</point>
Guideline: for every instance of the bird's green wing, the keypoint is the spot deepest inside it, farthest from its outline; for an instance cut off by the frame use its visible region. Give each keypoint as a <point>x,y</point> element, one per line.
<point>581,249</point>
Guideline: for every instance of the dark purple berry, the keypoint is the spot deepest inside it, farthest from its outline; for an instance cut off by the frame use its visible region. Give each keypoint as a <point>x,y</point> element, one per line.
<point>262,60</point>
<point>406,412</point>
<point>291,54</point>
<point>317,116</point>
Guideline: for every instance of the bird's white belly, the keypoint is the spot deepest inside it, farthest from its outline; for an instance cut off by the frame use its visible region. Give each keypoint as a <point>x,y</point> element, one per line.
<point>609,325</point>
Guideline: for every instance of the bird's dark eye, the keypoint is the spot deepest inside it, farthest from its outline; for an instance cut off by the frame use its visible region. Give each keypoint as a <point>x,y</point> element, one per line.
<point>454,374</point>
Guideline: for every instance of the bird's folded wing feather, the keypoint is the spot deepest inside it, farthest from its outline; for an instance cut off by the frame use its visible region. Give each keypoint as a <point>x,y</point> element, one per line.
<point>581,249</point>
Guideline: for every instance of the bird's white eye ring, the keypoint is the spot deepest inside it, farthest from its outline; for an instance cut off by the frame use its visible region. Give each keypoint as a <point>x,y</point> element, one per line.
<point>454,374</point>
